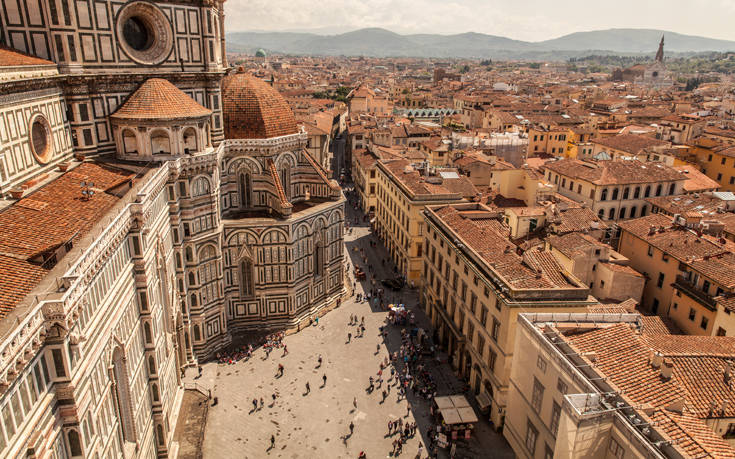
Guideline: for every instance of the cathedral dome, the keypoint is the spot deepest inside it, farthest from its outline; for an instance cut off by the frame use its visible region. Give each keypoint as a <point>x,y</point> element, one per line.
<point>252,109</point>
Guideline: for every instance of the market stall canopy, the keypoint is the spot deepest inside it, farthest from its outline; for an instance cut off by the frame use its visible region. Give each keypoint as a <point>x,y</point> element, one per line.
<point>455,409</point>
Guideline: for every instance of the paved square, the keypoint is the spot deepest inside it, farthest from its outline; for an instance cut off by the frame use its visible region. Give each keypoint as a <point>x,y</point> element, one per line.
<point>316,425</point>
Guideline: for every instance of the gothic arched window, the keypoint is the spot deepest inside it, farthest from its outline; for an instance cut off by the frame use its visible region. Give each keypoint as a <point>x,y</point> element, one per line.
<point>318,258</point>
<point>246,190</point>
<point>200,187</point>
<point>247,278</point>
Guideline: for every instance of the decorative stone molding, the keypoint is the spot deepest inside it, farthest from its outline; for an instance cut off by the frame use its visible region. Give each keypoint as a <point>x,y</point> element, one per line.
<point>154,28</point>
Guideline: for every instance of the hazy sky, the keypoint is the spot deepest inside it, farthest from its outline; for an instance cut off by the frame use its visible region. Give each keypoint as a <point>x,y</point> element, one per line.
<point>531,20</point>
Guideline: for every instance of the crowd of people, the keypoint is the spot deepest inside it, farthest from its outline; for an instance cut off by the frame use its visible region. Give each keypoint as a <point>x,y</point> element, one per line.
<point>401,372</point>
<point>269,343</point>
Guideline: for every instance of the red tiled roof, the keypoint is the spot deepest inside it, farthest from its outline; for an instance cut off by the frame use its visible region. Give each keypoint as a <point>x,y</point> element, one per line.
<point>319,170</point>
<point>46,219</point>
<point>692,435</point>
<point>277,183</point>
<point>615,172</point>
<point>532,271</point>
<point>252,109</point>
<point>696,181</point>
<point>160,99</point>
<point>10,57</point>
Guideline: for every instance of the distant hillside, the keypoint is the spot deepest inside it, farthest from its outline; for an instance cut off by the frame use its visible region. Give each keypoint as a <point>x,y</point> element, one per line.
<point>384,43</point>
<point>636,41</point>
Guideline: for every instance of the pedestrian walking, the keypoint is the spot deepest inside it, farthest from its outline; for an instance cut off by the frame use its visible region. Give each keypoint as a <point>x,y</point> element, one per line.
<point>319,361</point>
<point>324,378</point>
<point>261,402</point>
<point>285,349</point>
<point>354,402</point>
<point>255,404</point>
<point>273,441</point>
<point>308,388</point>
<point>408,410</point>
<point>349,337</point>
<point>352,427</point>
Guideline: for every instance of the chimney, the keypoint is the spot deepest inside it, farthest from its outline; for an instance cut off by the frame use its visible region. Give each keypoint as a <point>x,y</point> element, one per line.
<point>591,356</point>
<point>667,370</point>
<point>657,359</point>
<point>728,370</point>
<point>725,404</point>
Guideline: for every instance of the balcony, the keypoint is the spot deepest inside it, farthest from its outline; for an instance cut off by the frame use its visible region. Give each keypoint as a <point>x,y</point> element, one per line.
<point>692,291</point>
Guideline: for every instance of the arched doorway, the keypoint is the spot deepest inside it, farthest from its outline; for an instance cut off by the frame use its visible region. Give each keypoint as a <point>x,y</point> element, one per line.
<point>467,371</point>
<point>478,379</point>
<point>489,391</point>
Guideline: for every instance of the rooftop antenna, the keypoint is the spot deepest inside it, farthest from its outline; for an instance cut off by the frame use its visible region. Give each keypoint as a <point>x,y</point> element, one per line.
<point>87,191</point>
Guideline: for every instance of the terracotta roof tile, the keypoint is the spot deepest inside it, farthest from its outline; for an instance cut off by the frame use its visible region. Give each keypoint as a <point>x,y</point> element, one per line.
<point>691,435</point>
<point>252,109</point>
<point>10,57</point>
<point>159,99</point>
<point>486,238</point>
<point>46,219</point>
<point>614,172</point>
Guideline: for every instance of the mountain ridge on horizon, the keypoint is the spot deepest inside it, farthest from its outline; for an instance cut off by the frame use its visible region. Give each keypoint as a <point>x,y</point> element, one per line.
<point>379,42</point>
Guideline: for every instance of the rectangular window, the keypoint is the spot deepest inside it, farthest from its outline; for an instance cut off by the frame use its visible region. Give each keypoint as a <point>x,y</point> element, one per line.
<point>473,303</point>
<point>87,134</point>
<point>483,316</point>
<point>555,415</point>
<point>692,314</point>
<point>660,281</point>
<point>495,330</point>
<point>72,48</point>
<point>531,436</point>
<point>58,363</point>
<point>8,421</point>
<point>561,386</point>
<point>67,14</point>
<point>54,12</point>
<point>537,398</point>
<point>491,358</point>
<point>615,449</point>
<point>83,112</point>
<point>704,323</point>
<point>59,44</point>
